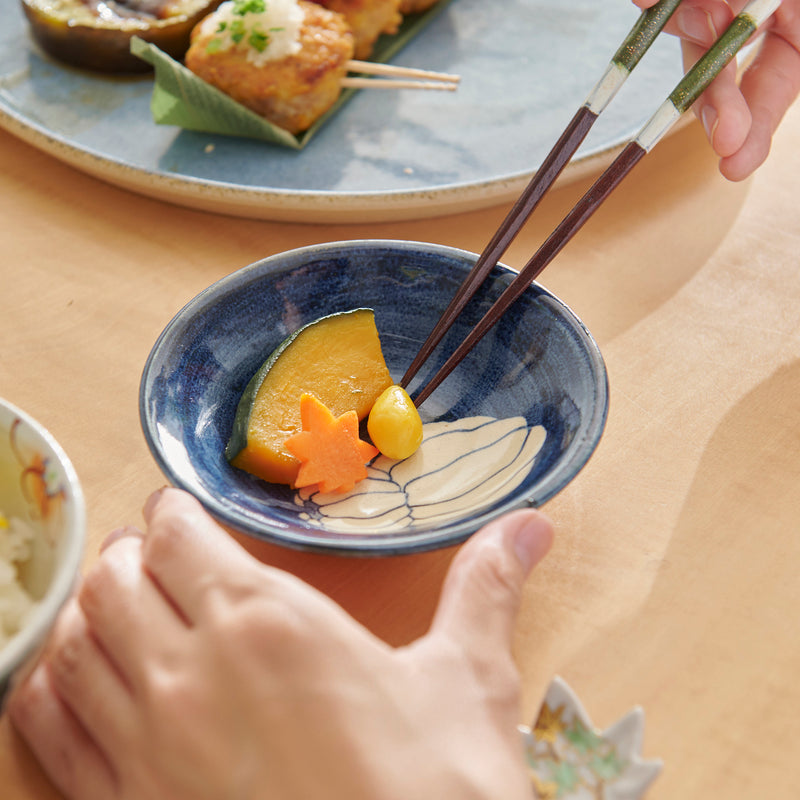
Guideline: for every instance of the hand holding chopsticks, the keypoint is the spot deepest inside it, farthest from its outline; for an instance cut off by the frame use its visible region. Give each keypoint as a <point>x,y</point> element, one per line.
<point>630,52</point>
<point>680,99</point>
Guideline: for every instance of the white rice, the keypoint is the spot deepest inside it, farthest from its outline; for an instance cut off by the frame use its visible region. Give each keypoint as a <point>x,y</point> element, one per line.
<point>280,23</point>
<point>16,539</point>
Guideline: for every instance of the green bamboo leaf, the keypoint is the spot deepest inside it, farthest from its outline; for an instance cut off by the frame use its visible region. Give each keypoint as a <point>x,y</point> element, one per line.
<point>182,99</point>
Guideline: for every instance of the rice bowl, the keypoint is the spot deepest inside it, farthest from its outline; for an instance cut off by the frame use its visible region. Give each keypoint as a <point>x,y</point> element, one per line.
<point>42,535</point>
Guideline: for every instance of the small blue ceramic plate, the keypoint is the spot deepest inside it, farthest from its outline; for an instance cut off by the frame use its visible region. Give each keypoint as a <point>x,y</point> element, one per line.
<point>510,427</point>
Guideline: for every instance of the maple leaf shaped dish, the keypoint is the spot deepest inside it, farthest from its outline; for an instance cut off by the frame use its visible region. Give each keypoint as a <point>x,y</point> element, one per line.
<point>570,759</point>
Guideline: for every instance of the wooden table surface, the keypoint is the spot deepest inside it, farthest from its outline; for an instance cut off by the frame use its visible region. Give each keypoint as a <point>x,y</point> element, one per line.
<point>673,582</point>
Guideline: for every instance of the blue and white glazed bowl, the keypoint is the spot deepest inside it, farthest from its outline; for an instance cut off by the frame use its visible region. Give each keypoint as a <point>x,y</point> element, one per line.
<point>537,375</point>
<point>42,537</point>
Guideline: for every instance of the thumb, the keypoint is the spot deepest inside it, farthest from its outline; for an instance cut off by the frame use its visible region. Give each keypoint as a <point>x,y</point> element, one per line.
<point>483,587</point>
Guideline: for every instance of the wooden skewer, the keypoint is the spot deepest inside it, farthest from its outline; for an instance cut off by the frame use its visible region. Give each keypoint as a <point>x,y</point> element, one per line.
<point>635,45</point>
<point>681,98</point>
<point>376,68</point>
<point>378,83</point>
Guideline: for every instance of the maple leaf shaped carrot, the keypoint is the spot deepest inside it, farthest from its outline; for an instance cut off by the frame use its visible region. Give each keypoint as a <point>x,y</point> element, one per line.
<point>330,452</point>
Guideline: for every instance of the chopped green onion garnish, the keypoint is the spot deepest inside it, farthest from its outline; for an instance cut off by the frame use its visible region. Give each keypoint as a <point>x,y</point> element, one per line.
<point>258,40</point>
<point>242,7</point>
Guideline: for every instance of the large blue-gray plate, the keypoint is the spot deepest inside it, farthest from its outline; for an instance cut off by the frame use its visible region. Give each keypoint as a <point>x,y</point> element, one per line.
<point>526,67</point>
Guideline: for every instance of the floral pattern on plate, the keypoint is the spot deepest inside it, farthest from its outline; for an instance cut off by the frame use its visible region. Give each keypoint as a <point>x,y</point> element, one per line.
<point>40,481</point>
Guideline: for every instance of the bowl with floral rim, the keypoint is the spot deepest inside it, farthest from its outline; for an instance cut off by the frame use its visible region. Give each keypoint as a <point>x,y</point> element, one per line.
<point>42,537</point>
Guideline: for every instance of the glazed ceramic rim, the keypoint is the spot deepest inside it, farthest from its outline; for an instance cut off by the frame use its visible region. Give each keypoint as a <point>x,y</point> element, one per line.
<point>22,645</point>
<point>295,205</point>
<point>387,543</point>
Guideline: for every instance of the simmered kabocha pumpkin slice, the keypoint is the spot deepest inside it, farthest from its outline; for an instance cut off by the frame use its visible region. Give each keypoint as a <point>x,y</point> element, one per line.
<point>337,358</point>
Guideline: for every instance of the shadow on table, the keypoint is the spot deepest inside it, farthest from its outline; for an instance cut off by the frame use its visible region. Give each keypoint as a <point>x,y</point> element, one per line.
<point>710,650</point>
<point>646,242</point>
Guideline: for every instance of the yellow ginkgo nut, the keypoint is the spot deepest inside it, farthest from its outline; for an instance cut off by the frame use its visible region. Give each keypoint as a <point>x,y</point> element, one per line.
<point>394,424</point>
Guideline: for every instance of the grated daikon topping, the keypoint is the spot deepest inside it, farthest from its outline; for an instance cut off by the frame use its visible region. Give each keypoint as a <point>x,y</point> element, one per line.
<point>266,29</point>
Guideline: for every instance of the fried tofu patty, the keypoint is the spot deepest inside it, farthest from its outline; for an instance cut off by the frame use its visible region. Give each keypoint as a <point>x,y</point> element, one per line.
<point>293,91</point>
<point>368,19</point>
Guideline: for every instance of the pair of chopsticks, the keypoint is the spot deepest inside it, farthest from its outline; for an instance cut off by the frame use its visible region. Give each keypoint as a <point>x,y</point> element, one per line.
<point>635,45</point>
<point>391,77</point>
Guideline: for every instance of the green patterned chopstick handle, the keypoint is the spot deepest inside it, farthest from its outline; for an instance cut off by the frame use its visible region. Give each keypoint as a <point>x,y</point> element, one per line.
<point>630,52</point>
<point>651,22</point>
<point>698,78</point>
<point>719,56</point>
<point>636,44</point>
